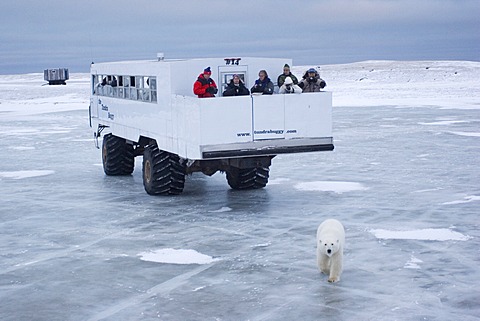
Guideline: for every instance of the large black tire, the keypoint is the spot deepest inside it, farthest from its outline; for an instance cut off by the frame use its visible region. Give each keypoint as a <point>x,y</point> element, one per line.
<point>163,173</point>
<point>248,178</point>
<point>117,155</point>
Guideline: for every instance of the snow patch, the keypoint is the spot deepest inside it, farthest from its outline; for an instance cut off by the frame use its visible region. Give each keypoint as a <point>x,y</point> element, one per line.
<point>198,289</point>
<point>277,181</point>
<point>428,190</point>
<point>25,174</point>
<point>413,263</point>
<point>330,186</point>
<point>466,199</point>
<point>422,235</point>
<point>221,210</point>
<point>21,147</point>
<point>261,245</point>
<point>172,256</point>
<point>444,122</point>
<point>468,134</point>
<point>19,132</point>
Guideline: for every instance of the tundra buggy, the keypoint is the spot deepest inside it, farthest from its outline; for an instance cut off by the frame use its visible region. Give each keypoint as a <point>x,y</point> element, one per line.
<point>147,108</point>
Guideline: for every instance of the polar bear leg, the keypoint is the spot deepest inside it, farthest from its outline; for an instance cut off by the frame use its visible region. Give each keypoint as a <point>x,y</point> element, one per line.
<point>335,267</point>
<point>324,264</point>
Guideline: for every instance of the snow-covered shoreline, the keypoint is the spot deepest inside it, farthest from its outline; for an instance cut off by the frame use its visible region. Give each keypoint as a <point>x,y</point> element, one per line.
<point>403,83</point>
<point>451,84</point>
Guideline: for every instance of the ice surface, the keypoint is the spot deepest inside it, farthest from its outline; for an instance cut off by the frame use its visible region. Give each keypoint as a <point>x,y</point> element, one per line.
<point>70,237</point>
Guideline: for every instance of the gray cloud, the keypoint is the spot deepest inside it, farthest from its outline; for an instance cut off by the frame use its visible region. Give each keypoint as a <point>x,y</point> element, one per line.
<point>40,34</point>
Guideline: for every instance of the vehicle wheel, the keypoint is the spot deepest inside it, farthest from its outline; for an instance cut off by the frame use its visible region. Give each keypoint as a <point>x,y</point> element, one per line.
<point>163,173</point>
<point>248,178</point>
<point>117,155</point>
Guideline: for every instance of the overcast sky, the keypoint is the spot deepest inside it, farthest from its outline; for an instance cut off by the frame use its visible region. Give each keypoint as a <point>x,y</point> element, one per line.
<point>35,35</point>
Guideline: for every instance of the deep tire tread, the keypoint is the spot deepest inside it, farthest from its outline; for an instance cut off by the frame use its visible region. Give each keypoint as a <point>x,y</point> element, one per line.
<point>118,156</point>
<point>249,178</point>
<point>167,174</point>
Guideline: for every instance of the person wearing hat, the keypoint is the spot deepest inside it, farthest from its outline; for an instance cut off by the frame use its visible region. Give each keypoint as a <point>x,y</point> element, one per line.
<point>312,82</point>
<point>289,87</point>
<point>236,87</point>
<point>205,86</point>
<point>263,85</point>
<point>286,73</point>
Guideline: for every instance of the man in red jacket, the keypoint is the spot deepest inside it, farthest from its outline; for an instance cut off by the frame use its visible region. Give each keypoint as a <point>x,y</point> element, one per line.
<point>205,86</point>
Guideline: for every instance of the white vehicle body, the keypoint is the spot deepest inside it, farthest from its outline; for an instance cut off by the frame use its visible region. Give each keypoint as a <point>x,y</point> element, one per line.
<point>154,101</point>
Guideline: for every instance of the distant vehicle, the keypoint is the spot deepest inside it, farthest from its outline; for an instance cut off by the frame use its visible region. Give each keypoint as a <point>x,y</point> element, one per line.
<point>147,108</point>
<point>57,76</point>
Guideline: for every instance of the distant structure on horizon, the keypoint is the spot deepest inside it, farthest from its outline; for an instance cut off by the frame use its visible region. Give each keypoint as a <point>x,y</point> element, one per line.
<point>56,76</point>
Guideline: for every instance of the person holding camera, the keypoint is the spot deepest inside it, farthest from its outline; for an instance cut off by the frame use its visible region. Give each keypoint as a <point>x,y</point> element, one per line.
<point>205,86</point>
<point>289,87</point>
<point>312,82</point>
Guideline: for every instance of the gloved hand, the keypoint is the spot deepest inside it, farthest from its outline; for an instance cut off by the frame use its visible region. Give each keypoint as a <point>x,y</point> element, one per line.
<point>211,90</point>
<point>323,84</point>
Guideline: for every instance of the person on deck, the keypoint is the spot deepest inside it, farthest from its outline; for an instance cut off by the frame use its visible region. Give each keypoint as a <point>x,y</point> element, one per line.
<point>205,86</point>
<point>289,87</point>
<point>263,85</point>
<point>236,87</point>
<point>312,82</point>
<point>286,73</point>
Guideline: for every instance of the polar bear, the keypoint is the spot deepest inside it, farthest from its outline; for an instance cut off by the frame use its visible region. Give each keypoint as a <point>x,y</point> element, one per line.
<point>330,244</point>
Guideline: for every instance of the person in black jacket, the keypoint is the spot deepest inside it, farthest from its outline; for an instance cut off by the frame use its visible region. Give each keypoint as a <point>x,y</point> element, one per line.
<point>236,87</point>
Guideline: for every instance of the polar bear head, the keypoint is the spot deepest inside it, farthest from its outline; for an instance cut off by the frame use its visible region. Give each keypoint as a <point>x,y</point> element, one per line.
<point>329,246</point>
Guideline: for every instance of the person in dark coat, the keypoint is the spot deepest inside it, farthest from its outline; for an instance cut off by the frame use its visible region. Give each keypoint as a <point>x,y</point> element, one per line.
<point>263,84</point>
<point>236,87</point>
<point>312,82</point>
<point>205,86</point>
<point>286,73</point>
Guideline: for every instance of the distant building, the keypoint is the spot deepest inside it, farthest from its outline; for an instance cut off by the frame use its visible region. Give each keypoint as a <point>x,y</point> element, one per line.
<point>56,76</point>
